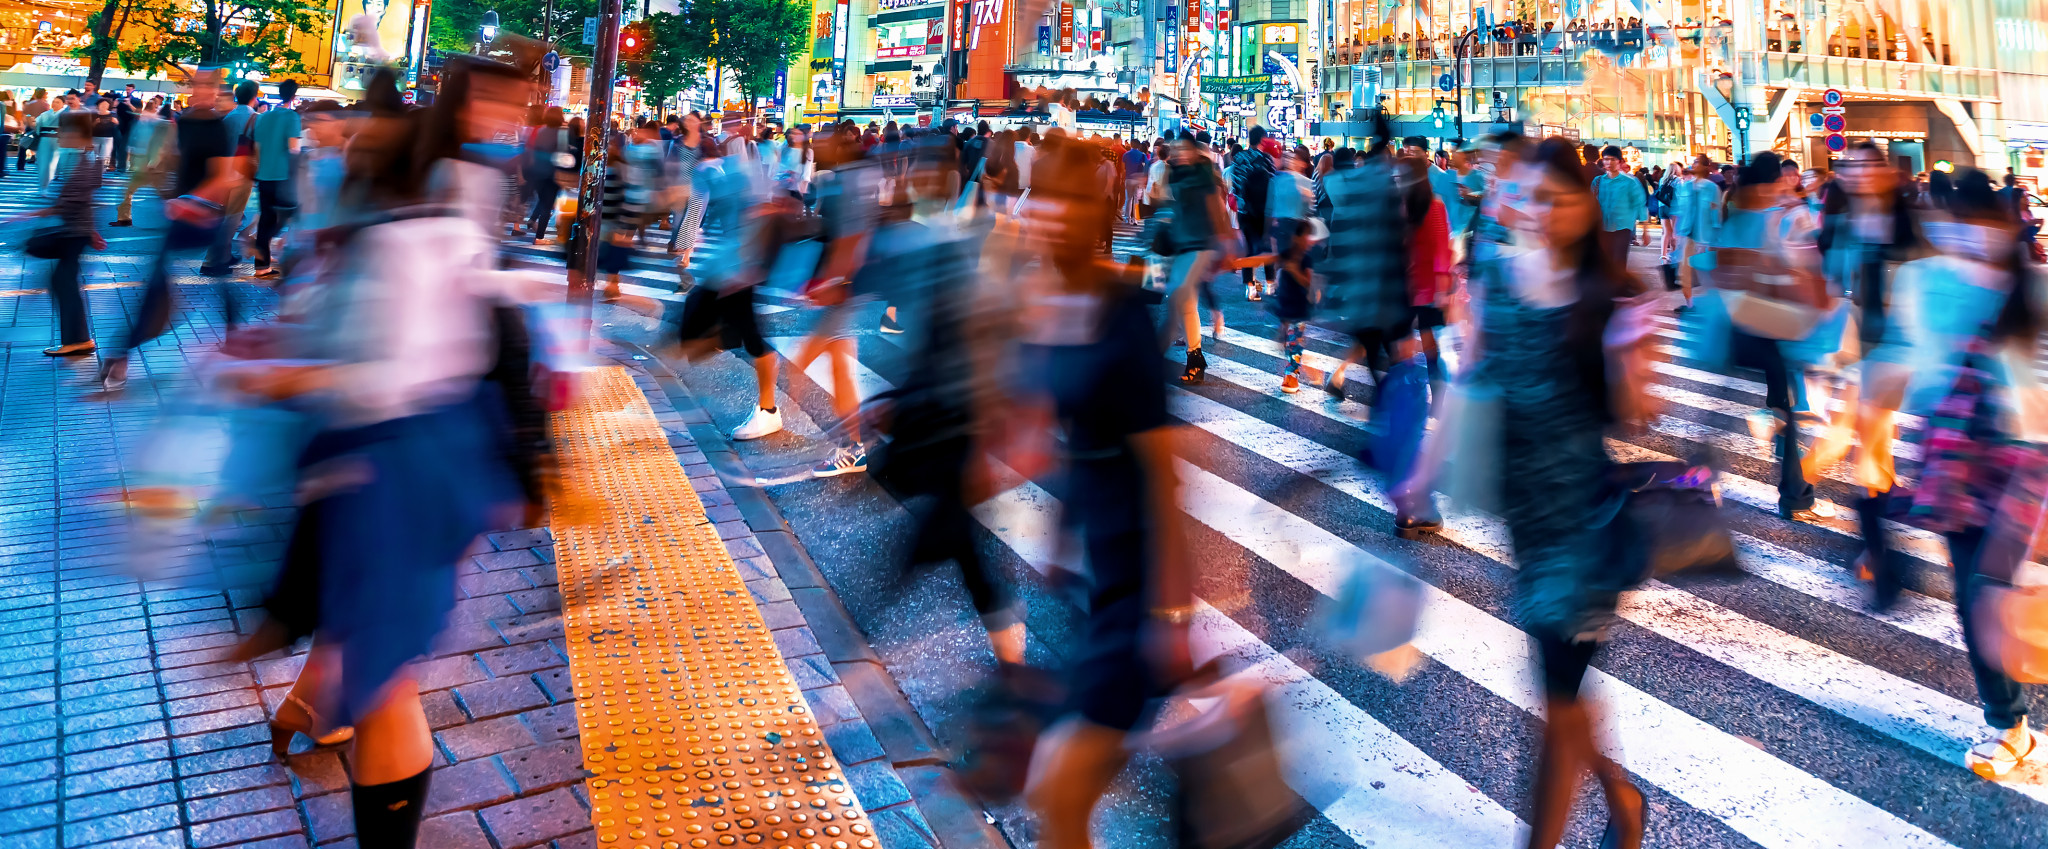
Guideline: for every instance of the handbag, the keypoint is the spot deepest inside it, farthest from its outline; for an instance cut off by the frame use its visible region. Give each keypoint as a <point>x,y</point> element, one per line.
<point>42,244</point>
<point>1762,315</point>
<point>1232,792</point>
<point>1472,412</point>
<point>1660,519</point>
<point>1375,612</point>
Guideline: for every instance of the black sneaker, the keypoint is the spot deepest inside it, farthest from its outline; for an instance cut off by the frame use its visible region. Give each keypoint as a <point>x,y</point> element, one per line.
<point>889,325</point>
<point>123,222</point>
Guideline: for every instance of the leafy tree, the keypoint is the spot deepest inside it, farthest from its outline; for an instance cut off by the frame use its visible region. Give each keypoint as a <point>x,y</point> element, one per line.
<point>455,23</point>
<point>201,32</point>
<point>751,39</point>
<point>673,59</point>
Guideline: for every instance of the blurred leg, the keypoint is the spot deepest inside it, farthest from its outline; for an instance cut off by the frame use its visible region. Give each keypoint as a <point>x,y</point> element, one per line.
<point>1074,765</point>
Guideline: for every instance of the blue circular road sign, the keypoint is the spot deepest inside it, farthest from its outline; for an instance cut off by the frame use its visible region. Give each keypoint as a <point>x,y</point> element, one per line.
<point>1444,82</point>
<point>1834,124</point>
<point>551,61</point>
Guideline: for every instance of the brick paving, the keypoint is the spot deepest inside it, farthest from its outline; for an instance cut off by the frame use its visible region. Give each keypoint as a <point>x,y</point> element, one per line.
<point>123,723</point>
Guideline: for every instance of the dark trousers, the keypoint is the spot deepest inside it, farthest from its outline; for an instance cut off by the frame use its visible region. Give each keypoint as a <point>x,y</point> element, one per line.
<point>65,292</point>
<point>1978,566</point>
<point>275,206</point>
<point>155,316</point>
<point>1756,352</point>
<point>28,143</point>
<point>5,138</point>
<point>1253,226</point>
<point>1615,243</point>
<point>1870,295</point>
<point>120,155</point>
<point>544,193</point>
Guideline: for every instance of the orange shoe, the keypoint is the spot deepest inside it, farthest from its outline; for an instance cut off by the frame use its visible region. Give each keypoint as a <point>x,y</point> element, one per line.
<point>1290,384</point>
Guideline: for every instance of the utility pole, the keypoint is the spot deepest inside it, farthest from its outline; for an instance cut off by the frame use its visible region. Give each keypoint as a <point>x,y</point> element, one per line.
<point>597,135</point>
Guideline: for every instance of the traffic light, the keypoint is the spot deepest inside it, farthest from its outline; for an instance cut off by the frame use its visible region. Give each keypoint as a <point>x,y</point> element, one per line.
<point>634,41</point>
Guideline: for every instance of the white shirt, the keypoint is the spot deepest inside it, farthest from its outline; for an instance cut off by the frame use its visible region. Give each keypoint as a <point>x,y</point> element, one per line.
<point>408,331</point>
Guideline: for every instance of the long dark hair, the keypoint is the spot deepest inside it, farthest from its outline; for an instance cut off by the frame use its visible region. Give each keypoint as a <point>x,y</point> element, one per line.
<point>1974,198</point>
<point>1599,280</point>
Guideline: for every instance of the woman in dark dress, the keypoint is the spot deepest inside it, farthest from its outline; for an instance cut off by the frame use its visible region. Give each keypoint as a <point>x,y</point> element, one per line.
<point>1545,311</point>
<point>1090,369</point>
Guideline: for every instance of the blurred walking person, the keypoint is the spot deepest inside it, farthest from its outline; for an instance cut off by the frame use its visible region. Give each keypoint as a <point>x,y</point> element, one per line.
<point>1251,177</point>
<point>1090,372</point>
<point>1971,322</point>
<point>208,172</point>
<point>1366,275</point>
<point>276,138</point>
<point>1287,220</point>
<point>408,467</point>
<point>1200,237</point>
<point>150,161</point>
<point>237,123</point>
<point>1697,215</point>
<point>1767,250</point>
<point>1545,309</point>
<point>76,230</point>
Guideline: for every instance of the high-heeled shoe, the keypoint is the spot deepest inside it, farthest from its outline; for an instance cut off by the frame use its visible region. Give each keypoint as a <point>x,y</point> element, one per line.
<point>1625,832</point>
<point>1197,368</point>
<point>283,727</point>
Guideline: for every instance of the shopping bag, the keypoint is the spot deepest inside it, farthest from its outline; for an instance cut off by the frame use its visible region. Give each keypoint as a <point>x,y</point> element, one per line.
<point>1661,519</point>
<point>1373,616</point>
<point>1398,419</point>
<point>1707,332</point>
<point>1232,792</point>
<point>2012,630</point>
<point>1472,478</point>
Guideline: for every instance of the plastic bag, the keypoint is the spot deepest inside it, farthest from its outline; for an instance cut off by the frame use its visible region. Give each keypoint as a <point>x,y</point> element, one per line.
<point>1373,616</point>
<point>1233,794</point>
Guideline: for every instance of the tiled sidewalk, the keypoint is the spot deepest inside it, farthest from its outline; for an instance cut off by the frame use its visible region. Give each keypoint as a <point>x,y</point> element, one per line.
<point>121,724</point>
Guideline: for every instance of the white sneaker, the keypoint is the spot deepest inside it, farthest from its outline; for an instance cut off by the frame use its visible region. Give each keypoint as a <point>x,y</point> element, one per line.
<point>762,423</point>
<point>844,461</point>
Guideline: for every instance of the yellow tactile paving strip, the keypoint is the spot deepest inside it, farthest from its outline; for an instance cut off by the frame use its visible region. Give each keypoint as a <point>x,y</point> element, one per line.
<point>693,730</point>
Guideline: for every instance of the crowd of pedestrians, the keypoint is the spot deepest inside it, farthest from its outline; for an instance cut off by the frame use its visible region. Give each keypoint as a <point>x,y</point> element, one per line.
<point>1489,288</point>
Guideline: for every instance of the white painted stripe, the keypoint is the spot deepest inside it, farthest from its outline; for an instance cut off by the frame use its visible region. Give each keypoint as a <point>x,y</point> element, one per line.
<point>1759,495</point>
<point>866,382</point>
<point>1378,788</point>
<point>1368,781</point>
<point>1764,497</point>
<point>1765,799</point>
<point>1486,536</point>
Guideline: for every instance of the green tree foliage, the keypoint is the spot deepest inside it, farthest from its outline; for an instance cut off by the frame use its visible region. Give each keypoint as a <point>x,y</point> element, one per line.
<point>750,39</point>
<point>671,61</point>
<point>202,32</point>
<point>455,22</point>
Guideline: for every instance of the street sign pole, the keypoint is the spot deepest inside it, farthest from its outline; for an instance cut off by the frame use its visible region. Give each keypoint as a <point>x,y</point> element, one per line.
<point>596,149</point>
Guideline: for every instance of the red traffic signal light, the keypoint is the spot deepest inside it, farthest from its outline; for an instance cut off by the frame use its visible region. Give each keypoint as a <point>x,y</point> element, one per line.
<point>634,41</point>
<point>629,41</point>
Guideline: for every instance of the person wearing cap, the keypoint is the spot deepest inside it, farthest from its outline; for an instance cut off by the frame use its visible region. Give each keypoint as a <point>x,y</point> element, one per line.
<point>1622,205</point>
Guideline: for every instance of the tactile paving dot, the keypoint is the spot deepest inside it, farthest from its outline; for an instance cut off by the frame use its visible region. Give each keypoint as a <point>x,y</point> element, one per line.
<point>694,732</point>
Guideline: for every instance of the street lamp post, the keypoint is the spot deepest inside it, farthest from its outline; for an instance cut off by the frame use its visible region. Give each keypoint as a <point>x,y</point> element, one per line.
<point>1458,76</point>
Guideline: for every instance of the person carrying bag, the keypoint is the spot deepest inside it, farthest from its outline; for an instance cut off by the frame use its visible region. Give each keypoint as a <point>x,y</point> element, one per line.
<point>1766,270</point>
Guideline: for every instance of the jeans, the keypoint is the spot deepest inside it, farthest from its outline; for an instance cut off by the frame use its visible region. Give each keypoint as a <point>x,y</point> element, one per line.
<point>1794,493</point>
<point>1976,564</point>
<point>1253,226</point>
<point>1187,280</point>
<point>276,204</point>
<point>28,143</point>
<point>120,158</point>
<point>155,315</point>
<point>65,292</point>
<point>222,255</point>
<point>1134,194</point>
<point>544,193</point>
<point>5,138</point>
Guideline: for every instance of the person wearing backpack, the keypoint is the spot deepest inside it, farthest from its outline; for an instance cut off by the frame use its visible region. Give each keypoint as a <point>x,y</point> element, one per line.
<point>1251,179</point>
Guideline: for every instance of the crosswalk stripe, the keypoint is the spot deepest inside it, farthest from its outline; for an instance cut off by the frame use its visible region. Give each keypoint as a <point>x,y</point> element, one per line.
<point>1488,538</point>
<point>1765,799</point>
<point>1756,494</point>
<point>1366,779</point>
